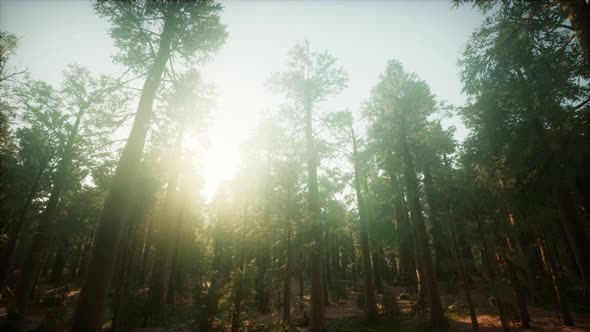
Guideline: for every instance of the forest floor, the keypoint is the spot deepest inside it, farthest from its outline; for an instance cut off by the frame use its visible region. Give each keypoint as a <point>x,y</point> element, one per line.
<point>342,316</point>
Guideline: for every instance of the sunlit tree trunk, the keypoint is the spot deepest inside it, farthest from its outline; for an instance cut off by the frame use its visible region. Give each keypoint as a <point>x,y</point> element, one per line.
<point>90,306</point>
<point>166,240</point>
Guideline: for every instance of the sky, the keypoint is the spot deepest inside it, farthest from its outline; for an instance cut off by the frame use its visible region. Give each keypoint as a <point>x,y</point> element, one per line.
<point>426,36</point>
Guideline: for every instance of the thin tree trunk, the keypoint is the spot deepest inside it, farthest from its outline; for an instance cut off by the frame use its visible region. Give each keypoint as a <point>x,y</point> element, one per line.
<point>515,283</point>
<point>235,321</point>
<point>576,234</point>
<point>369,281</point>
<point>465,281</point>
<point>318,319</point>
<point>288,263</point>
<point>559,293</point>
<point>436,229</point>
<point>490,271</point>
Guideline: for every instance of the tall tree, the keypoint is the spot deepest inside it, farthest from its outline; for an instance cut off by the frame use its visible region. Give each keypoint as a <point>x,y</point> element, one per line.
<point>310,78</point>
<point>148,35</point>
<point>408,101</point>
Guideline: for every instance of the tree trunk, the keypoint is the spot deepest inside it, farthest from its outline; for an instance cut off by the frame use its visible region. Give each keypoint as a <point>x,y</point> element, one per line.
<point>235,321</point>
<point>559,293</point>
<point>44,235</point>
<point>166,242</point>
<point>515,283</point>
<point>575,234</point>
<point>436,230</point>
<point>377,272</point>
<point>59,263</point>
<point>369,281</point>
<point>262,296</point>
<point>492,275</point>
<point>14,233</point>
<point>437,314</point>
<point>578,12</point>
<point>465,281</point>
<point>288,263</point>
<point>407,265</point>
<point>318,319</point>
<point>90,306</point>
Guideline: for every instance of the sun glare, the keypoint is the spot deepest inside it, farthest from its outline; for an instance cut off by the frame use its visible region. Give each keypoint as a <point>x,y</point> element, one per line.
<point>232,120</point>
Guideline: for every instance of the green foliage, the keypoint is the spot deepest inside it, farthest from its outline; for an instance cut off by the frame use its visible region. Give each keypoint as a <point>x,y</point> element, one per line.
<point>193,28</point>
<point>311,76</point>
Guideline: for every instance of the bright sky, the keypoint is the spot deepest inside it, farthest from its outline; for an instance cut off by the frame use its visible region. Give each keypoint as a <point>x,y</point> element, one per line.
<point>426,36</point>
